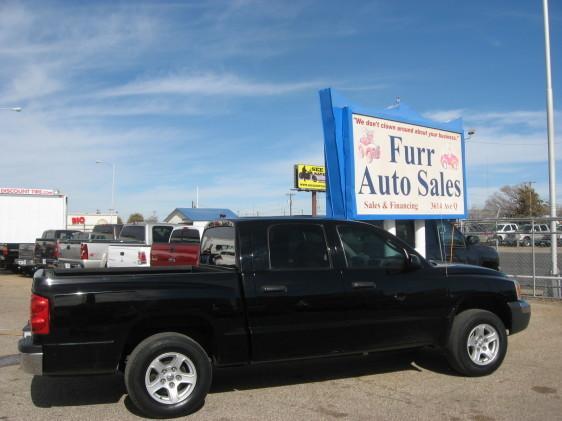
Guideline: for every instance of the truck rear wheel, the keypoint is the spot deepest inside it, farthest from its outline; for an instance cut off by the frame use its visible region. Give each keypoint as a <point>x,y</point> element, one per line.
<point>477,343</point>
<point>168,375</point>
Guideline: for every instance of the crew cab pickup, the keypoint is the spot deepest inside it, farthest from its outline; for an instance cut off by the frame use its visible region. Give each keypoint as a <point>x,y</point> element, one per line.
<point>181,250</point>
<point>267,289</point>
<point>135,244</point>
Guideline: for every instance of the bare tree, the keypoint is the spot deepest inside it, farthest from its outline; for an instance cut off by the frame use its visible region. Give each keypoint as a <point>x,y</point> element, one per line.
<point>515,201</point>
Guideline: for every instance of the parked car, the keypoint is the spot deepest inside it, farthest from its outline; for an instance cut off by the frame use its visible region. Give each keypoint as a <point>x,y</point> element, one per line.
<point>541,235</point>
<point>181,250</point>
<point>136,241</point>
<point>295,288</point>
<point>502,231</point>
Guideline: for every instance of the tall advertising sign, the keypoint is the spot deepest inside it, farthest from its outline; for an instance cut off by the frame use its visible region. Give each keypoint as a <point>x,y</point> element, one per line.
<point>392,164</point>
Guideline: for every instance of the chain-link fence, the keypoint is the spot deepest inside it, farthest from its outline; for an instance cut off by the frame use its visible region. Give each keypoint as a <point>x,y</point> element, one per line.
<point>524,246</point>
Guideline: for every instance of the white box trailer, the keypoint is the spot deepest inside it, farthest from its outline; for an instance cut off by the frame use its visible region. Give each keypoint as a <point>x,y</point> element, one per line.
<point>25,214</point>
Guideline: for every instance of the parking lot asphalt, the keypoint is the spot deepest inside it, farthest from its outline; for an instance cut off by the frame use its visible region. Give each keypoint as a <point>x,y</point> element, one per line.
<point>415,385</point>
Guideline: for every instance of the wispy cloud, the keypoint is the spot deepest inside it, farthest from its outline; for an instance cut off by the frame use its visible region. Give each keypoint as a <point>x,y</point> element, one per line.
<point>207,84</point>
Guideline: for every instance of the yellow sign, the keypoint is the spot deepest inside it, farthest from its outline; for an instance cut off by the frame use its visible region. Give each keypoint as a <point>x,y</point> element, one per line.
<point>310,177</point>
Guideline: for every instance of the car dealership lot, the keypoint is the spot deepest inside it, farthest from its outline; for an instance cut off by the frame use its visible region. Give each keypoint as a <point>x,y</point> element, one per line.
<point>418,385</point>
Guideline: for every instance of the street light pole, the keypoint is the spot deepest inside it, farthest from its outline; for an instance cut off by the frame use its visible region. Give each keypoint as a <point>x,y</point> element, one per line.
<point>551,157</point>
<point>112,189</point>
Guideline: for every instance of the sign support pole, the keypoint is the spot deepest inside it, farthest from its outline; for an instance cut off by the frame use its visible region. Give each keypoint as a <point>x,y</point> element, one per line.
<point>313,203</point>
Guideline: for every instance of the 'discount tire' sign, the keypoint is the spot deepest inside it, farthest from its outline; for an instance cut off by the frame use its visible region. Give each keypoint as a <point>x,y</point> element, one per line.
<point>391,164</point>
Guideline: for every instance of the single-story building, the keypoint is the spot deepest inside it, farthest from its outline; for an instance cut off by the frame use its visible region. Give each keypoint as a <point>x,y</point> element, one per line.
<point>198,217</point>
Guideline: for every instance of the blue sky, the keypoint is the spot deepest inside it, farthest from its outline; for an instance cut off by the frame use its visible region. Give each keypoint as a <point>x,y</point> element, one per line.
<point>224,94</point>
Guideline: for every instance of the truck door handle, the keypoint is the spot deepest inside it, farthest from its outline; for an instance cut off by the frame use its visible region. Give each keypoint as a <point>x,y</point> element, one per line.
<point>122,253</point>
<point>274,289</point>
<point>363,285</point>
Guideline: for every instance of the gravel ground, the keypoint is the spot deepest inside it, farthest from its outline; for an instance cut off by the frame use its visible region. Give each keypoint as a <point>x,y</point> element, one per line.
<point>407,385</point>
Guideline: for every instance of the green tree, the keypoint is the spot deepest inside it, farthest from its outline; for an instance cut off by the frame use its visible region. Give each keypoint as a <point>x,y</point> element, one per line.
<point>135,217</point>
<point>119,220</point>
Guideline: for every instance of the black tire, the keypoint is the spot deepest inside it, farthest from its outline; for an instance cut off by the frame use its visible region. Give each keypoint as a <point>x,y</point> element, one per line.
<point>527,242</point>
<point>149,350</point>
<point>458,352</point>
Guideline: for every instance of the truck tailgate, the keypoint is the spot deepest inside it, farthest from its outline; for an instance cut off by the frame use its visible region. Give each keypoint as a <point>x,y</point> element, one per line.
<point>128,255</point>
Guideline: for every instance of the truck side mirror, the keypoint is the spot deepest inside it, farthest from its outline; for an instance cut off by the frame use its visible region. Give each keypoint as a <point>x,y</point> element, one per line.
<point>414,262</point>
<point>472,240</point>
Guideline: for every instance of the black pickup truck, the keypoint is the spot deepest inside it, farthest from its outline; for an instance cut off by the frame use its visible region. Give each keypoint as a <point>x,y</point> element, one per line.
<point>268,289</point>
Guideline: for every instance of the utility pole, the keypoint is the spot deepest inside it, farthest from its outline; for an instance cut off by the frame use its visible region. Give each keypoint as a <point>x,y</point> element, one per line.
<point>530,184</point>
<point>290,194</point>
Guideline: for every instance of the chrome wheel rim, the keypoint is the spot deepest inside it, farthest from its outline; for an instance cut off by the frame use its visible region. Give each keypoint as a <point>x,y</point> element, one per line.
<point>170,378</point>
<point>483,344</point>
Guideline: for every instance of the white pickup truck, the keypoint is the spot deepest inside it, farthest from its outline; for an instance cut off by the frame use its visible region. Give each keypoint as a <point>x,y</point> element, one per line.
<point>136,241</point>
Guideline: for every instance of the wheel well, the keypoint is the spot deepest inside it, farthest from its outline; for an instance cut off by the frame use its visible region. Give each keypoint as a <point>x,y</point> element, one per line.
<point>199,330</point>
<point>491,304</point>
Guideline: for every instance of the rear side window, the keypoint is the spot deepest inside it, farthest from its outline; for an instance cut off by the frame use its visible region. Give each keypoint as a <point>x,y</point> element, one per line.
<point>161,234</point>
<point>132,233</point>
<point>48,235</point>
<point>297,246</point>
<point>217,246</point>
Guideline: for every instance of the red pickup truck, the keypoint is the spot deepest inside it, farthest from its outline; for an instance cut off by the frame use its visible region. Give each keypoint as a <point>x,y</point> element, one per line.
<point>181,250</point>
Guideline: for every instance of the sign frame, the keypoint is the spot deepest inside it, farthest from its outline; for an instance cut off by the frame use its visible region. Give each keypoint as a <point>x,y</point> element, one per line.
<point>312,182</point>
<point>337,114</point>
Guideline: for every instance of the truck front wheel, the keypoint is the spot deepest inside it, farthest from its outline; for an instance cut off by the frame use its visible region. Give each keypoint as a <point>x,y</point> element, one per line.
<point>477,343</point>
<point>168,375</point>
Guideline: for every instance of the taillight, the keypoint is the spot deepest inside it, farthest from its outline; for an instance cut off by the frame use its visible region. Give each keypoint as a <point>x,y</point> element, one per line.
<point>39,315</point>
<point>142,258</point>
<point>84,251</point>
<point>56,253</point>
<point>4,250</point>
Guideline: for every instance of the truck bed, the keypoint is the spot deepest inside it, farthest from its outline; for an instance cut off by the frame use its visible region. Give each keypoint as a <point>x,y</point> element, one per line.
<point>100,311</point>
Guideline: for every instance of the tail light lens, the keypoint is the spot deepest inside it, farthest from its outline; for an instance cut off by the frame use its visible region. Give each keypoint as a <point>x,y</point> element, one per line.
<point>4,250</point>
<point>142,258</point>
<point>56,253</point>
<point>84,251</point>
<point>39,315</point>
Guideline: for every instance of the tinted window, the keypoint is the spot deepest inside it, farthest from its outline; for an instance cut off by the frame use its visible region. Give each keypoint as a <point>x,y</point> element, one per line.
<point>405,230</point>
<point>449,233</point>
<point>111,230</point>
<point>185,235</point>
<point>161,234</point>
<point>132,233</point>
<point>217,246</point>
<point>48,234</point>
<point>366,248</point>
<point>294,246</point>
<point>65,235</point>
